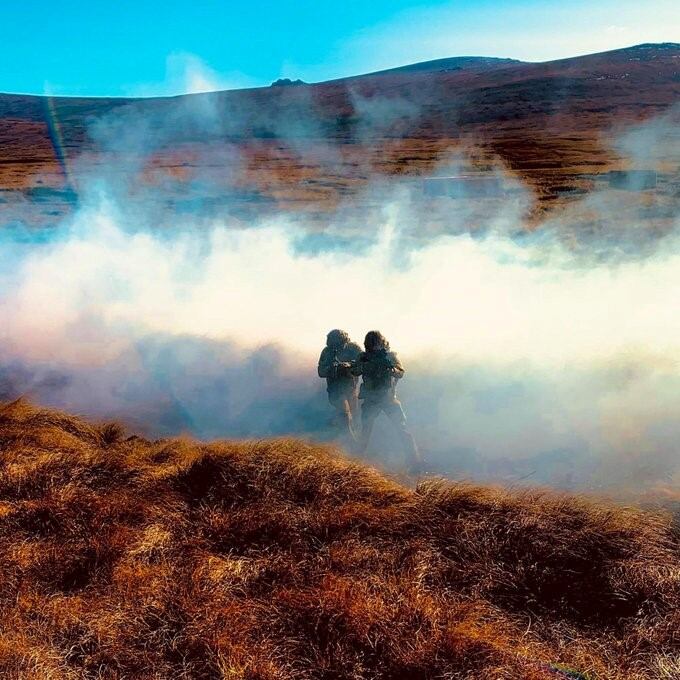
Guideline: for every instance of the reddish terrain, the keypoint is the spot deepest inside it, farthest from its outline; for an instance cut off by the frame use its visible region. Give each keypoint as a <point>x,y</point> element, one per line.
<point>274,560</point>
<point>308,147</point>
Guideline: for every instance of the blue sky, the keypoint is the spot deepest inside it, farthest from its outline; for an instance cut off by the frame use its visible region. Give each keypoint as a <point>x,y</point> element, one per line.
<point>150,48</point>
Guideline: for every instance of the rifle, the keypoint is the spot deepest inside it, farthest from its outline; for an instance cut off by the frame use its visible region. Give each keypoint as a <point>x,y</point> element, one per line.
<point>340,368</point>
<point>384,360</point>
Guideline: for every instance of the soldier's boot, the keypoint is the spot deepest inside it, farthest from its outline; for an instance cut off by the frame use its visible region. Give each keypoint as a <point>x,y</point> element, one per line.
<point>343,423</point>
<point>349,425</point>
<point>369,412</point>
<point>413,458</point>
<point>365,436</point>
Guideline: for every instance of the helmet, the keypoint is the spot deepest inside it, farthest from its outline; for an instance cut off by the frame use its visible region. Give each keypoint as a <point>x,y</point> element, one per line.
<point>337,338</point>
<point>375,340</point>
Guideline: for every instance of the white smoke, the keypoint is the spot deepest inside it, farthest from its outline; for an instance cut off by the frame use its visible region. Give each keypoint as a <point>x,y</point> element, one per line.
<point>486,300</point>
<point>526,356</point>
<point>187,73</point>
<point>542,351</point>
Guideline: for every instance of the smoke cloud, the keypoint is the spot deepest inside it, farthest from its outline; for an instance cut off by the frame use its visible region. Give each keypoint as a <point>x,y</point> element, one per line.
<point>548,354</point>
<point>187,73</point>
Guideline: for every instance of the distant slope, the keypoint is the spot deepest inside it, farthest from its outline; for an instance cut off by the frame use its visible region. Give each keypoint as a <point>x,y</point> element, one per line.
<point>126,558</point>
<point>634,81</point>
<point>552,123</point>
<point>448,64</point>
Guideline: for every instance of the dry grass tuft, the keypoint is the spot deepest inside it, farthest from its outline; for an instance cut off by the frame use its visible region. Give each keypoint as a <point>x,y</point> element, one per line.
<point>125,558</point>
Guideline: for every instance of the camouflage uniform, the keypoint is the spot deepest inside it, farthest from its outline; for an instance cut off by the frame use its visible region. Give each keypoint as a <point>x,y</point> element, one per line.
<point>380,370</point>
<point>334,364</point>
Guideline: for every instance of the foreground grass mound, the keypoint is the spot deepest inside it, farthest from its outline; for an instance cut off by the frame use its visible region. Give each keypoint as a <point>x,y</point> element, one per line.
<point>126,558</point>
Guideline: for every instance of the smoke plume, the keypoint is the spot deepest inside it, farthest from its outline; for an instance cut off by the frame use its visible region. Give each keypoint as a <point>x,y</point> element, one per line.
<point>549,354</point>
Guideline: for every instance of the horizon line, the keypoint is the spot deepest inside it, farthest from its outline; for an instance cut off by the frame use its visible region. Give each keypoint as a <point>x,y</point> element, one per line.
<point>515,63</point>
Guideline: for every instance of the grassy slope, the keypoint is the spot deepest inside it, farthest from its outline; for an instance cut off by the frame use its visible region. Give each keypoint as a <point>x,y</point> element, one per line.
<point>313,149</point>
<point>122,557</point>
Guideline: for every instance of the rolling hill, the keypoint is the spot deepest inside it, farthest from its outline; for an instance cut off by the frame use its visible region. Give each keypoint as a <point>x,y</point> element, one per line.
<point>309,148</point>
<point>123,557</point>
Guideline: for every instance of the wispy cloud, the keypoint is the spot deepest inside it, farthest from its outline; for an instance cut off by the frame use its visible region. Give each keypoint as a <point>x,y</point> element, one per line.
<point>524,30</point>
<point>187,73</point>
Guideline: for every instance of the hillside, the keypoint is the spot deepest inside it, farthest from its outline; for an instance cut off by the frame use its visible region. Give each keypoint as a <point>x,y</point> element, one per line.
<point>128,558</point>
<point>450,64</point>
<point>311,147</point>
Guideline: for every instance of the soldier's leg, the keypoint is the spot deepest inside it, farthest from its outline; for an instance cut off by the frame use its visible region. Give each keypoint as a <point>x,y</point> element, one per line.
<point>333,401</point>
<point>394,411</point>
<point>353,402</point>
<point>348,420</point>
<point>369,412</point>
<point>343,416</point>
<point>354,414</point>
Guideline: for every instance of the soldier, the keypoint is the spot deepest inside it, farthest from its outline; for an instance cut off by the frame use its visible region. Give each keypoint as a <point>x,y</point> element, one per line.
<point>335,363</point>
<point>381,369</point>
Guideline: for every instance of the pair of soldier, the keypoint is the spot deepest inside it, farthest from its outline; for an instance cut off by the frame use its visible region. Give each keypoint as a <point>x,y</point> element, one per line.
<point>342,363</point>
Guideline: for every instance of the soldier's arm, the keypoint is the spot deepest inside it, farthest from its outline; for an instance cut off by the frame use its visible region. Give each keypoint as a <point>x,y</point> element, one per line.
<point>354,350</point>
<point>397,369</point>
<point>353,353</point>
<point>357,367</point>
<point>325,368</point>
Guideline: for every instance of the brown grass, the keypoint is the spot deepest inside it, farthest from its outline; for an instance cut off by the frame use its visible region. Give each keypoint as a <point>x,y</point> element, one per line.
<point>127,558</point>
